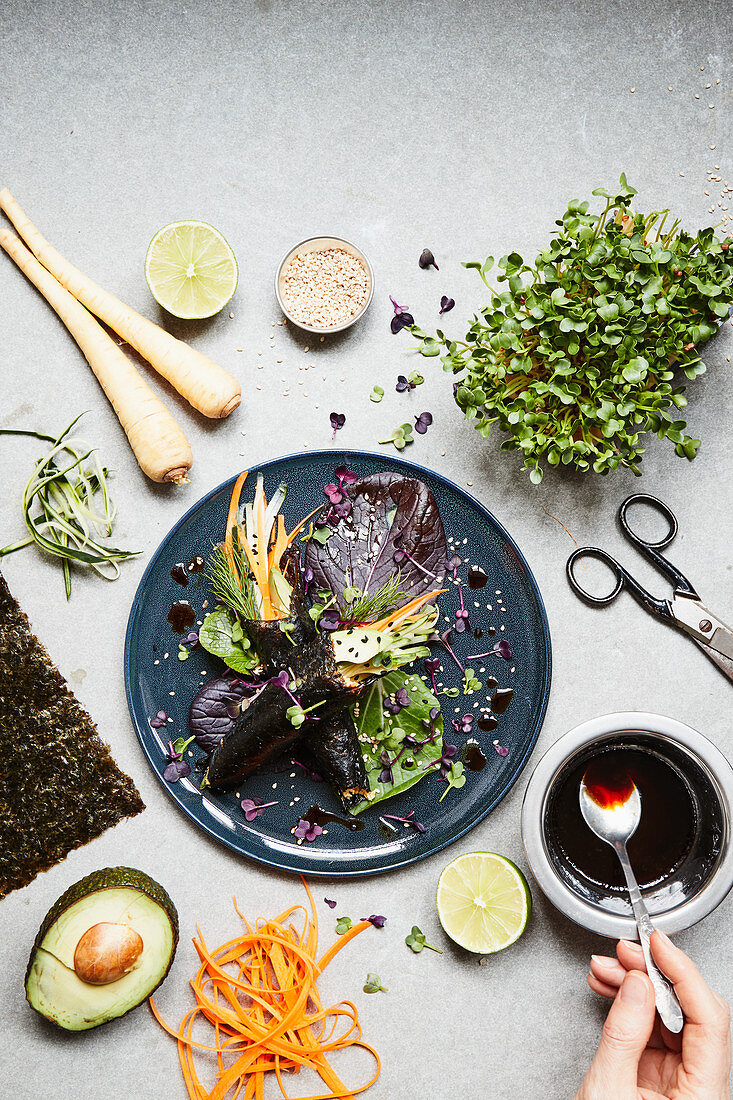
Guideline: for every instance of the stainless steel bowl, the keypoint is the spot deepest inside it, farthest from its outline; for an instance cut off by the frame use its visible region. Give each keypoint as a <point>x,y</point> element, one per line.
<point>691,892</point>
<point>317,244</point>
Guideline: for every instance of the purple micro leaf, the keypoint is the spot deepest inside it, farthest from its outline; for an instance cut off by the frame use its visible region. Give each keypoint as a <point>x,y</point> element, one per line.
<point>397,309</point>
<point>306,830</point>
<point>454,562</point>
<point>376,920</point>
<point>255,807</point>
<point>427,259</point>
<point>330,904</point>
<point>423,422</point>
<point>499,649</point>
<point>400,321</point>
<point>502,751</point>
<point>464,724</point>
<point>330,620</point>
<point>344,476</point>
<point>334,494</point>
<point>159,721</point>
<point>177,769</point>
<point>446,304</point>
<point>337,422</point>
<point>403,384</point>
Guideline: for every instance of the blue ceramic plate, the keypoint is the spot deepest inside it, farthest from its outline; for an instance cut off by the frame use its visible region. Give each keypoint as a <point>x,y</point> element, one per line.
<point>510,603</point>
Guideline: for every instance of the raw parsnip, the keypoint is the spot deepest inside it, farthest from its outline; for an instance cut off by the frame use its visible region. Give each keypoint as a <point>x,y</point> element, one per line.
<point>160,446</point>
<point>204,384</point>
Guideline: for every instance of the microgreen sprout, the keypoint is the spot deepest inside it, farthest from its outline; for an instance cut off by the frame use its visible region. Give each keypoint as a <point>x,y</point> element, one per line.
<point>402,319</point>
<point>423,422</point>
<point>373,984</point>
<point>177,768</point>
<point>501,648</point>
<point>254,807</point>
<point>416,941</point>
<point>432,664</point>
<point>159,721</point>
<point>454,778</point>
<point>377,394</point>
<point>443,639</point>
<point>407,820</point>
<point>470,683</point>
<point>501,749</point>
<point>401,436</point>
<point>376,920</point>
<point>427,259</point>
<point>343,924</point>
<point>465,723</point>
<point>330,903</point>
<point>337,422</point>
<point>461,616</point>
<point>446,304</point>
<point>397,702</point>
<point>307,830</point>
<point>580,353</point>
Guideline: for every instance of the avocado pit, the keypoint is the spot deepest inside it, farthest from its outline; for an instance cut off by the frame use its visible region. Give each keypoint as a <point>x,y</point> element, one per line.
<point>106,952</point>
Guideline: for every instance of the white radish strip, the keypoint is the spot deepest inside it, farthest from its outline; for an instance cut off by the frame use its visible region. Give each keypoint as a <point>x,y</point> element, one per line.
<point>205,385</point>
<point>160,446</point>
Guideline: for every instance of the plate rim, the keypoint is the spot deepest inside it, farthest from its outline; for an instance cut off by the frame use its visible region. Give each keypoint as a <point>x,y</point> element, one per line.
<point>282,864</point>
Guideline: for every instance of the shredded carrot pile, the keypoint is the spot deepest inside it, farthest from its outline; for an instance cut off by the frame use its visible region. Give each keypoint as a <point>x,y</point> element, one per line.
<point>259,994</point>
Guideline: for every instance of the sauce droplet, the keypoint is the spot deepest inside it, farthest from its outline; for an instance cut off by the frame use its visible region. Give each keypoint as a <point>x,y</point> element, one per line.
<point>491,682</point>
<point>316,815</point>
<point>501,699</point>
<point>474,756</point>
<point>478,633</point>
<point>488,723</point>
<point>179,574</point>
<point>105,952</point>
<point>477,577</point>
<point>196,565</point>
<point>181,616</point>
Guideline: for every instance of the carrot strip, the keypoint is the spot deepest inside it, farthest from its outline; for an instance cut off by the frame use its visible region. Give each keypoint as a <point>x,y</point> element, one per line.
<point>259,994</point>
<point>408,608</point>
<point>232,516</point>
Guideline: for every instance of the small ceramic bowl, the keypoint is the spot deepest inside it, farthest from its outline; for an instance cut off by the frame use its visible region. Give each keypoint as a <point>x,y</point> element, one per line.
<point>317,244</point>
<point>690,890</point>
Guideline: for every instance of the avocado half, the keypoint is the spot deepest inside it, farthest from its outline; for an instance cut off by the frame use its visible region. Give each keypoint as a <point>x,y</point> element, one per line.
<point>117,927</point>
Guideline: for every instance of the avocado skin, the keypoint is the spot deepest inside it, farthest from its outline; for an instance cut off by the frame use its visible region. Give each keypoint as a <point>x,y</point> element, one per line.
<point>107,878</point>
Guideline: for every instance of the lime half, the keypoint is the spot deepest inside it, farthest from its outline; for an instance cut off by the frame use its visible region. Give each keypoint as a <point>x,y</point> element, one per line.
<point>190,269</point>
<point>483,902</point>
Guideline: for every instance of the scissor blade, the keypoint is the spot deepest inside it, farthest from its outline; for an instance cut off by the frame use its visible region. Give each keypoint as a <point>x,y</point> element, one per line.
<point>694,618</point>
<point>724,663</point>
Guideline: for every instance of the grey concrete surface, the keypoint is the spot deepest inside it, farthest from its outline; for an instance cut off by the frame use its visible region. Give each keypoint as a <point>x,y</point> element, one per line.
<point>459,125</point>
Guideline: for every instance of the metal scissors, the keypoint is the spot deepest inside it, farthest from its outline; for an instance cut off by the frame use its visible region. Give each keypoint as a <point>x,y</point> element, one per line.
<point>684,610</point>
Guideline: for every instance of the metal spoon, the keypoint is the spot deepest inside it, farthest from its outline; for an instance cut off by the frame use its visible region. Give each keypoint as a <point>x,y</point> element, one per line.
<point>616,825</point>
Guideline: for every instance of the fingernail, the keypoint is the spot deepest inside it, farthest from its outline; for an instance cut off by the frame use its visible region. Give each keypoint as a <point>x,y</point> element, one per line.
<point>664,936</point>
<point>634,990</point>
<point>630,943</point>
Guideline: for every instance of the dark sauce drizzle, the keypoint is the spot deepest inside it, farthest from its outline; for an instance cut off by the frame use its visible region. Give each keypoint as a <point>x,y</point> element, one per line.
<point>181,616</point>
<point>316,815</point>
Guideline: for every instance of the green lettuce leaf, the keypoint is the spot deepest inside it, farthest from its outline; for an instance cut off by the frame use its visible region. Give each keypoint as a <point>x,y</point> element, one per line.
<point>377,734</point>
<point>221,634</point>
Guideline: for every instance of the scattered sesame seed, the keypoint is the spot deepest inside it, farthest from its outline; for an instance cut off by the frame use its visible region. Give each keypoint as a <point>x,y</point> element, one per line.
<point>711,106</point>
<point>682,173</point>
<point>232,315</point>
<point>697,97</point>
<point>632,89</point>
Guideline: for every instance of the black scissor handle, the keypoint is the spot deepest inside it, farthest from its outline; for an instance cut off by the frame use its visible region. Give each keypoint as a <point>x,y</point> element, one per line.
<point>651,549</point>
<point>623,580</point>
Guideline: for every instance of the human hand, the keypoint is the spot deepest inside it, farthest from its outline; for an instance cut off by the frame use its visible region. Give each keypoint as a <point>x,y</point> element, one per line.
<point>638,1058</point>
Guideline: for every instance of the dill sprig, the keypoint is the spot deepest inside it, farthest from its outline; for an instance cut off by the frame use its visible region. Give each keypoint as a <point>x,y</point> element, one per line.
<point>233,586</point>
<point>369,609</point>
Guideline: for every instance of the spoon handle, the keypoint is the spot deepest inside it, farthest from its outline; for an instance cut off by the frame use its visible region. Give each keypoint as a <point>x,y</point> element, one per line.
<point>668,1006</point>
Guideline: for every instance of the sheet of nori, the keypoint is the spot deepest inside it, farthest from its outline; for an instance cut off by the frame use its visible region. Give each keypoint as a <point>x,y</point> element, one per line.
<point>59,786</point>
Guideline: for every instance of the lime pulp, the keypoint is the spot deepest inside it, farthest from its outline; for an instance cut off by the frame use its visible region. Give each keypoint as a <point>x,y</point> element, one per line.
<point>190,269</point>
<point>483,902</point>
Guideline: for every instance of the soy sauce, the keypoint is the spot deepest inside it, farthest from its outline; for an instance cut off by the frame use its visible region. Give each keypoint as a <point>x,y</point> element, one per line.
<point>473,756</point>
<point>196,565</point>
<point>478,633</point>
<point>477,577</point>
<point>666,830</point>
<point>501,699</point>
<point>488,723</point>
<point>181,616</point>
<point>316,815</point>
<point>179,574</point>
